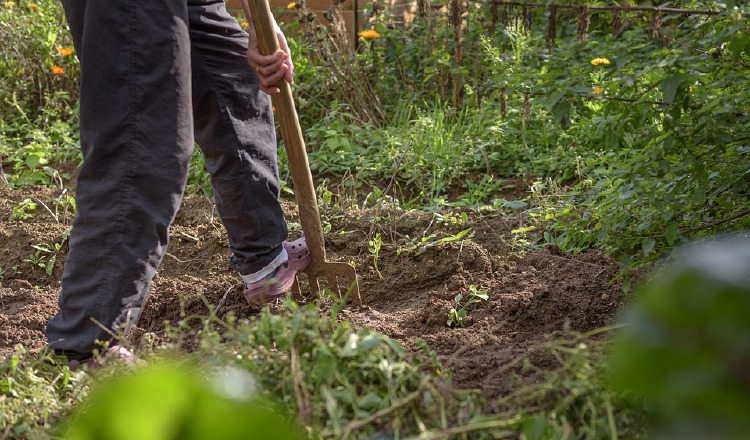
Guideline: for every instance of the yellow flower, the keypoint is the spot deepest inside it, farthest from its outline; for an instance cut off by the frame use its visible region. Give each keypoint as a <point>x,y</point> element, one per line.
<point>597,91</point>
<point>57,70</point>
<point>10,4</point>
<point>64,51</point>
<point>291,5</point>
<point>369,34</point>
<point>599,61</point>
<point>31,6</point>
<point>244,24</point>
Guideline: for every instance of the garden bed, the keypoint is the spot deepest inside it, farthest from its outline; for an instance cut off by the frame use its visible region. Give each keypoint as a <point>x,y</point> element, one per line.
<point>534,296</point>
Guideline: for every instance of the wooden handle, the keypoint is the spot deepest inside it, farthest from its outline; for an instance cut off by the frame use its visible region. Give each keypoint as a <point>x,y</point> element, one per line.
<point>291,132</point>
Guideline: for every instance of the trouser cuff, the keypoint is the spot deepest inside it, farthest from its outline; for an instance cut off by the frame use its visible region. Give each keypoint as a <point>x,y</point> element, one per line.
<point>282,258</point>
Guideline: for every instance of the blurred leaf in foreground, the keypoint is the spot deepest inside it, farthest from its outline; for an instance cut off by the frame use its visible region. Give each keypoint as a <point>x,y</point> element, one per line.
<point>175,402</point>
<point>686,346</point>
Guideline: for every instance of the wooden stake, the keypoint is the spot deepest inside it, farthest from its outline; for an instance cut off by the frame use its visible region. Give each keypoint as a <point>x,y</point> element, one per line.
<point>616,22</point>
<point>503,104</point>
<point>494,17</point>
<point>656,23</point>
<point>424,7</point>
<point>583,23</point>
<point>552,26</point>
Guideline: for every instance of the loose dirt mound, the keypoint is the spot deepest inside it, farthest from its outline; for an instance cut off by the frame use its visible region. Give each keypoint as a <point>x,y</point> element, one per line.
<point>532,295</point>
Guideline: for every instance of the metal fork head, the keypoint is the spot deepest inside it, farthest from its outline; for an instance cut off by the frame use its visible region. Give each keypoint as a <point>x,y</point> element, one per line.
<point>328,274</point>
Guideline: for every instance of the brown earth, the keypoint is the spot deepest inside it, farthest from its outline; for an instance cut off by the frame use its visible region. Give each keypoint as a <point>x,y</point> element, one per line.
<point>534,296</point>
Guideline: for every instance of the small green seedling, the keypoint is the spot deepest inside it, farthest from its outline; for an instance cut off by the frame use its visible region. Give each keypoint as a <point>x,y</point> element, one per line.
<point>375,245</point>
<point>452,218</point>
<point>425,243</point>
<point>23,211</point>
<point>45,255</point>
<point>461,306</point>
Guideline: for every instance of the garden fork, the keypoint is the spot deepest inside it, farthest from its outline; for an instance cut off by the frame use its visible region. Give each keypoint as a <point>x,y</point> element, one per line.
<point>319,272</point>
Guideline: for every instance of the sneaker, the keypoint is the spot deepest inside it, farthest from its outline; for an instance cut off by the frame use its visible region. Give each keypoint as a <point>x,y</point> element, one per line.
<point>281,280</point>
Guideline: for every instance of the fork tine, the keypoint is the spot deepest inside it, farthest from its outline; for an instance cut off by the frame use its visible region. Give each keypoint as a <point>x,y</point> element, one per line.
<point>336,276</point>
<point>315,284</point>
<point>296,291</point>
<point>334,281</point>
<point>354,288</point>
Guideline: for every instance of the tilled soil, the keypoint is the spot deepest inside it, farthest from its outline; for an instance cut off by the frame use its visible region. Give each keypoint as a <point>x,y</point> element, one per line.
<point>533,295</point>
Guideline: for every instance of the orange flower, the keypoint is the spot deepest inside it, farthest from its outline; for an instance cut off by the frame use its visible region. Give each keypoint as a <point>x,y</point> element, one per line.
<point>597,91</point>
<point>57,70</point>
<point>369,34</point>
<point>244,24</point>
<point>64,51</point>
<point>291,5</point>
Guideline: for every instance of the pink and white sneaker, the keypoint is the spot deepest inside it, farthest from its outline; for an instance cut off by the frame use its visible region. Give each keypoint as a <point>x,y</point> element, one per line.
<point>276,284</point>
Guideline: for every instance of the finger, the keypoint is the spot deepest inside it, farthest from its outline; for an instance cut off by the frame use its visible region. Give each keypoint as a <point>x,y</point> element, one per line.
<point>256,59</point>
<point>289,74</point>
<point>271,69</point>
<point>284,46</point>
<point>289,77</point>
<point>274,78</point>
<point>270,90</point>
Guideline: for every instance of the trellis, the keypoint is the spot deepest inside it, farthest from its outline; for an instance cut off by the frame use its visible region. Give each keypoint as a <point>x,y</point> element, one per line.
<point>614,8</point>
<point>584,15</point>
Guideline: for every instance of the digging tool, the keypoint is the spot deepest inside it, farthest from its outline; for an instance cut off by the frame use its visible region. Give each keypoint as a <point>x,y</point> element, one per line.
<point>320,272</point>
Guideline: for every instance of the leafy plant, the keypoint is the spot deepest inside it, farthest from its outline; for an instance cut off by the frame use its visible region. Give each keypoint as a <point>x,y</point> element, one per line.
<point>23,210</point>
<point>35,391</point>
<point>67,204</point>
<point>576,398</point>
<point>450,218</point>
<point>424,243</point>
<point>39,257</point>
<point>45,255</point>
<point>462,305</point>
<point>199,179</point>
<point>375,244</point>
<point>339,381</point>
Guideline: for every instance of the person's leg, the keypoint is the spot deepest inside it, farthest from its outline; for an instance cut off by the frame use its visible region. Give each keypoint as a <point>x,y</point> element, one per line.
<point>137,138</point>
<point>234,128</point>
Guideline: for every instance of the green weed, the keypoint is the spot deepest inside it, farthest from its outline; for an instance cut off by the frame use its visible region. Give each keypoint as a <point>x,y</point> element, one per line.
<point>339,381</point>
<point>422,244</point>
<point>576,399</point>
<point>35,391</point>
<point>45,255</point>
<point>462,305</point>
<point>24,210</point>
<point>375,244</point>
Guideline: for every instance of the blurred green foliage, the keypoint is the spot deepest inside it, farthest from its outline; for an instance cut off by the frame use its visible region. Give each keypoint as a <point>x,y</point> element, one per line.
<point>176,401</point>
<point>686,346</point>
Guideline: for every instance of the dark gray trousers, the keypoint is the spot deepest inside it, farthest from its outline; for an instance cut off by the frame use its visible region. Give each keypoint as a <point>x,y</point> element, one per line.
<point>157,75</point>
